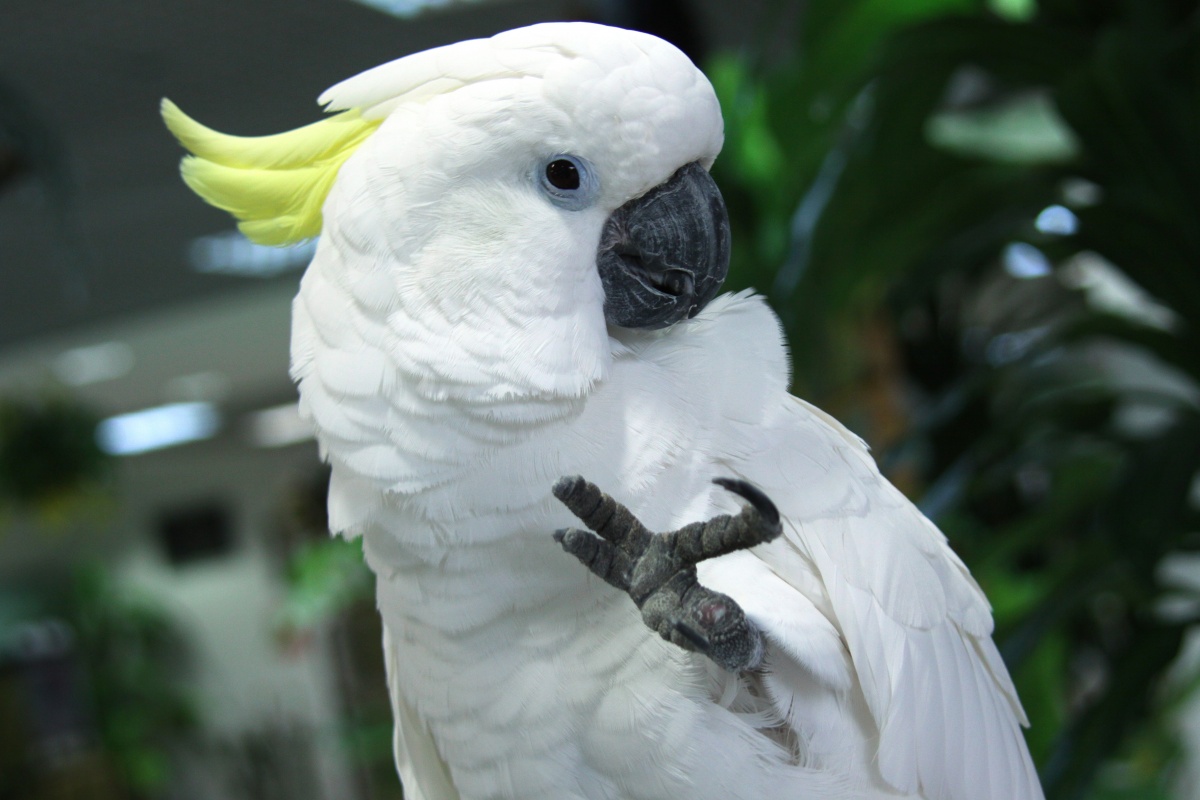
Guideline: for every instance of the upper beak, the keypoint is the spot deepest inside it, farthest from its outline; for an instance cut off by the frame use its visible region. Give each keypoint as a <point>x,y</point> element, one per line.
<point>664,255</point>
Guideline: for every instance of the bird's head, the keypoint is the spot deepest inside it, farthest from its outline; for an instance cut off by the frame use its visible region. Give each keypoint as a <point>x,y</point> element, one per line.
<point>551,173</point>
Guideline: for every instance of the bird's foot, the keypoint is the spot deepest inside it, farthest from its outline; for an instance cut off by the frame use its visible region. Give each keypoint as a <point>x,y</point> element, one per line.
<point>658,571</point>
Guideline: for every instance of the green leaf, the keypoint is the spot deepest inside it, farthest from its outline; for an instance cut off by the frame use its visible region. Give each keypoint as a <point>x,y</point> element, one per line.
<point>324,578</point>
<point>1026,130</point>
<point>1014,10</point>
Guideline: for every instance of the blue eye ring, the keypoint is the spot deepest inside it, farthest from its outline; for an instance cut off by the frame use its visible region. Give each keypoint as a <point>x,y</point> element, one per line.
<point>569,181</point>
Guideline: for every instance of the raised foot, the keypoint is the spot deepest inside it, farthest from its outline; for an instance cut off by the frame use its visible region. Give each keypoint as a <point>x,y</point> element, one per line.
<point>658,571</point>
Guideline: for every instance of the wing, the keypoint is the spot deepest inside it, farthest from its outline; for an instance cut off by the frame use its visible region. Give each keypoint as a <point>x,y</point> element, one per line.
<point>423,774</point>
<point>916,626</point>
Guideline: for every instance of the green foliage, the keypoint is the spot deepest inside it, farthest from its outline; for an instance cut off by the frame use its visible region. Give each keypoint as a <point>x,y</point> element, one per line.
<point>329,586</point>
<point>135,661</point>
<point>49,457</point>
<point>325,577</point>
<point>879,172</point>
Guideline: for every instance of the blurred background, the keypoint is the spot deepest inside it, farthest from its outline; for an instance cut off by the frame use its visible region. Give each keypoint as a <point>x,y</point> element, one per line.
<point>979,220</point>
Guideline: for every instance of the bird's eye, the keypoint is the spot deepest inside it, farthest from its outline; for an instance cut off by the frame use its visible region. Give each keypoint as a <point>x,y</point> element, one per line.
<point>562,174</point>
<point>569,181</point>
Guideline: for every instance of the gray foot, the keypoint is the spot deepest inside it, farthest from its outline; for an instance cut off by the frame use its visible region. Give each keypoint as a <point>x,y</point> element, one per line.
<point>658,571</point>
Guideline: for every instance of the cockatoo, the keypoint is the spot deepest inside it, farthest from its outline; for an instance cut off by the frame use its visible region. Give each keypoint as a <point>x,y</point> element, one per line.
<point>510,330</point>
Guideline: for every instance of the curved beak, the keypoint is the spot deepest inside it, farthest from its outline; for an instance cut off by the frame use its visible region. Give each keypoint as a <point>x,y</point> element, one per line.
<point>664,255</point>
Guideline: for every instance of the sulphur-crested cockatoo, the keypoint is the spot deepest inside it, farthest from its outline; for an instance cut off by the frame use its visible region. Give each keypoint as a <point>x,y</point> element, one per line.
<point>519,243</point>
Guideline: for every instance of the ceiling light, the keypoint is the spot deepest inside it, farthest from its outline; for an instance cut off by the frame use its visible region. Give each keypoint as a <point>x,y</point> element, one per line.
<point>404,8</point>
<point>233,254</point>
<point>208,385</point>
<point>92,364</point>
<point>158,427</point>
<point>278,426</point>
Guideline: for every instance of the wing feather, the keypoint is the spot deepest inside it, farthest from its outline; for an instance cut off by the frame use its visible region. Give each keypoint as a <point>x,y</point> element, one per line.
<point>916,625</point>
<point>423,773</point>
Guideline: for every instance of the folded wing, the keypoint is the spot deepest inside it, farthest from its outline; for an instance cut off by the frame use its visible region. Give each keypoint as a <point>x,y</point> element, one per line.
<point>916,625</point>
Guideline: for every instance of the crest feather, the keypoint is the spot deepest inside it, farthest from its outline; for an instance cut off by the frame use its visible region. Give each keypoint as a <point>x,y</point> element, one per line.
<point>274,185</point>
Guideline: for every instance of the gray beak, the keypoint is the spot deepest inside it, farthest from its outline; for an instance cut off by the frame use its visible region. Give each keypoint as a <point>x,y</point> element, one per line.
<point>664,255</point>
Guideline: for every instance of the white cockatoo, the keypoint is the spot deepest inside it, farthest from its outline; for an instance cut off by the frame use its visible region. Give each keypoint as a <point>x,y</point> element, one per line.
<point>520,247</point>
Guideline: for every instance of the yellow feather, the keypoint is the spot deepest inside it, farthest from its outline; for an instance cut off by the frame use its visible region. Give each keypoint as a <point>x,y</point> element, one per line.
<point>274,185</point>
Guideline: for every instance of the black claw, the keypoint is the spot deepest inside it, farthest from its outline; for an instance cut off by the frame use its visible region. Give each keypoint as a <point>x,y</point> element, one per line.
<point>693,636</point>
<point>755,496</point>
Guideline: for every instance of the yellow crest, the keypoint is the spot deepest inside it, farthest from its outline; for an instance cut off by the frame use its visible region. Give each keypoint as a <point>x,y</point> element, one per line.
<point>274,185</point>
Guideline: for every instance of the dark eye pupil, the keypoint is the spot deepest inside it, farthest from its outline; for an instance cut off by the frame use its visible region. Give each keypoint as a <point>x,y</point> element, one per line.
<point>562,174</point>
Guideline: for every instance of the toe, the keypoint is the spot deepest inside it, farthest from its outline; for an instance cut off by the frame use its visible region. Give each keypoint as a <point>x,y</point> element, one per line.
<point>753,495</point>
